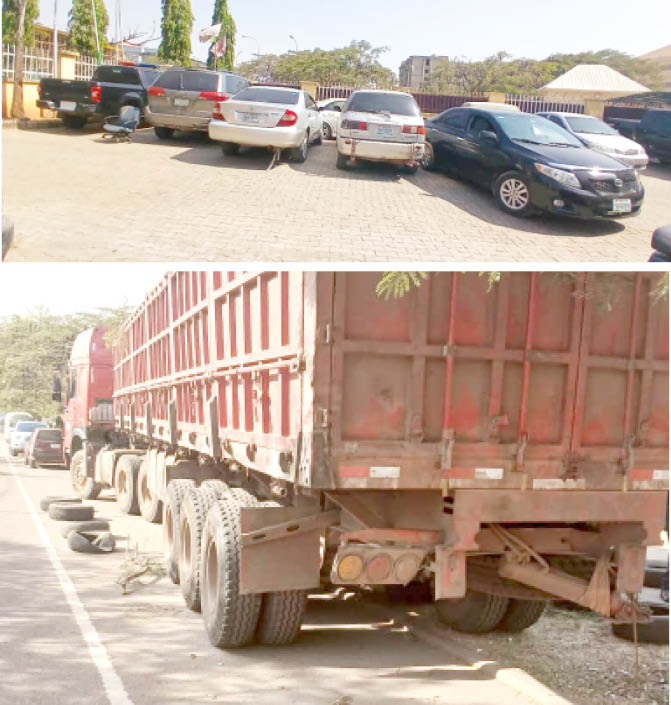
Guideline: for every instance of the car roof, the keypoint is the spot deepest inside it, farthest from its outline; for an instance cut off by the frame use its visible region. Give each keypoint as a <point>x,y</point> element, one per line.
<point>276,88</point>
<point>493,107</point>
<point>563,114</point>
<point>379,90</point>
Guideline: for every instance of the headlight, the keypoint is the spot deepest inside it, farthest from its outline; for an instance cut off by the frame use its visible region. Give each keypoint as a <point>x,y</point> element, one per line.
<point>563,177</point>
<point>602,148</point>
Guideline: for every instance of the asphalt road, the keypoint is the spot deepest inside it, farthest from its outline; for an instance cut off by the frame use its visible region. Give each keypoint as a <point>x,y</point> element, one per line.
<point>69,637</point>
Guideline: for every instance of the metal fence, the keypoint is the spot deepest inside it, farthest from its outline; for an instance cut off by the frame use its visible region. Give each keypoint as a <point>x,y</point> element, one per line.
<point>85,66</point>
<point>437,103</point>
<point>334,92</point>
<point>39,61</point>
<point>538,104</point>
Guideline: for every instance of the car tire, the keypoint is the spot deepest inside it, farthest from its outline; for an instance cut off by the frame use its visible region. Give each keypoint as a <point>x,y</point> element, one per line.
<point>512,193</point>
<point>164,133</point>
<point>341,161</point>
<point>410,170</point>
<point>429,158</point>
<point>73,122</point>
<point>318,140</point>
<point>230,149</point>
<point>85,487</point>
<point>328,132</point>
<point>300,154</point>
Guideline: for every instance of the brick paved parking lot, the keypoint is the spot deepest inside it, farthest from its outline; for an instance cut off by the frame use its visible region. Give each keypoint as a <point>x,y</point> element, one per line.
<point>74,197</point>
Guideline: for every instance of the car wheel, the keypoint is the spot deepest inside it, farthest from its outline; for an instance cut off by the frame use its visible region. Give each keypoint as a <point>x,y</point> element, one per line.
<point>318,139</point>
<point>328,132</point>
<point>230,148</point>
<point>164,133</point>
<point>429,158</point>
<point>300,154</point>
<point>341,161</point>
<point>512,193</point>
<point>409,169</point>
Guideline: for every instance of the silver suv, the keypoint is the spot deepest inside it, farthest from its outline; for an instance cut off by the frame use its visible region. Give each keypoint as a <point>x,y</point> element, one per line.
<point>182,99</point>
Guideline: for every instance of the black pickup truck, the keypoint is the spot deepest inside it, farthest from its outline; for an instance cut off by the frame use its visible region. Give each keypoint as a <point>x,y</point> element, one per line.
<point>652,132</point>
<point>110,88</point>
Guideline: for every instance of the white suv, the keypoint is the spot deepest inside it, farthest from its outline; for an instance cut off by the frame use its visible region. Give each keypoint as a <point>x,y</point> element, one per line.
<point>381,126</point>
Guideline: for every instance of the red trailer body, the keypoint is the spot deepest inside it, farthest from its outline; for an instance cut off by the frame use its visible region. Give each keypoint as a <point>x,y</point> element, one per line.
<point>460,421</point>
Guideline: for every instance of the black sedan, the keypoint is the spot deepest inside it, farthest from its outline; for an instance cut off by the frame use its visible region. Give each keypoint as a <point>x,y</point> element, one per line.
<point>531,164</point>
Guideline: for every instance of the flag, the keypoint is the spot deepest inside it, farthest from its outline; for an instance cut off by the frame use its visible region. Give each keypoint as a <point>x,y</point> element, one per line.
<point>219,47</point>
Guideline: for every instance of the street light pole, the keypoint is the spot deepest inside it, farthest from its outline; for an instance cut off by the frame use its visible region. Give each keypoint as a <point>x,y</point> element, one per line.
<point>291,36</point>
<point>258,49</point>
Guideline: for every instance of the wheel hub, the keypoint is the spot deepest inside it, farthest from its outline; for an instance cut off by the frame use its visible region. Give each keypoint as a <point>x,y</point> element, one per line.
<point>514,194</point>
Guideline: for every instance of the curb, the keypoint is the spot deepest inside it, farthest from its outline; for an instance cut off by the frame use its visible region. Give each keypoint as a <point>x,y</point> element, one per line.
<point>27,124</point>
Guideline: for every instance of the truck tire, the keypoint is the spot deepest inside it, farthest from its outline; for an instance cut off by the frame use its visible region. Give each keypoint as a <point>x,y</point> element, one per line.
<point>70,512</point>
<point>281,612</point>
<point>93,525</point>
<point>193,512</point>
<point>171,508</point>
<point>125,483</point>
<point>151,506</point>
<point>84,486</point>
<point>45,502</point>
<point>476,613</point>
<point>219,487</point>
<point>73,122</point>
<point>230,618</point>
<point>521,614</point>
<point>91,541</point>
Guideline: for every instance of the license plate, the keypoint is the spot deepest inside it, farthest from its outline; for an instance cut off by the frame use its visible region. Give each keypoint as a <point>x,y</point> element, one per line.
<point>68,105</point>
<point>622,205</point>
<point>385,131</point>
<point>182,102</point>
<point>251,117</point>
<point>55,445</point>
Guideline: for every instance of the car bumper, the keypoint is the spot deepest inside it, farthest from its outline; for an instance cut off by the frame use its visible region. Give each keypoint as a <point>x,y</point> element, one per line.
<point>177,122</point>
<point>576,203</point>
<point>401,152</point>
<point>79,111</point>
<point>637,161</point>
<point>47,457</point>
<point>273,137</point>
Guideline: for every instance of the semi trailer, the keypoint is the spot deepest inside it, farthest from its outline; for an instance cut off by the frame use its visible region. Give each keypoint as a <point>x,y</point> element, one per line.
<point>502,439</point>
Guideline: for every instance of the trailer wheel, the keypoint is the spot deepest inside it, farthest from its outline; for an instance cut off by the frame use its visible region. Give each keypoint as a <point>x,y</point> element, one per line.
<point>125,483</point>
<point>521,614</point>
<point>281,612</point>
<point>84,486</point>
<point>171,508</point>
<point>151,506</point>
<point>476,613</point>
<point>230,618</point>
<point>193,512</point>
<point>62,511</point>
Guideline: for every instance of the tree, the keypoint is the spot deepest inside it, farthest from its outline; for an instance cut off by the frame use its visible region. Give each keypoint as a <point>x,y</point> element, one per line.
<point>21,6</point>
<point>82,26</point>
<point>10,15</point>
<point>228,29</point>
<point>176,32</point>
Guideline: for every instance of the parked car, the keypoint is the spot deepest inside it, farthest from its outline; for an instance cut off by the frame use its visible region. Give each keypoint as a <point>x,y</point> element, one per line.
<point>531,164</point>
<point>381,126</point>
<point>652,132</point>
<point>21,434</point>
<point>11,419</point>
<point>182,98</point>
<point>110,88</point>
<point>330,110</point>
<point>264,116</point>
<point>601,137</point>
<point>44,447</point>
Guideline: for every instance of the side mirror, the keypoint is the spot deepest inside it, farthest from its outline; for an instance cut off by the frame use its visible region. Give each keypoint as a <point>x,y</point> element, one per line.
<point>488,137</point>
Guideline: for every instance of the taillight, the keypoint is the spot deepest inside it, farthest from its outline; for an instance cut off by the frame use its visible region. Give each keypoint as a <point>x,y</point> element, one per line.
<point>156,90</point>
<point>95,93</point>
<point>353,125</point>
<point>413,130</point>
<point>213,95</point>
<point>217,114</point>
<point>288,119</point>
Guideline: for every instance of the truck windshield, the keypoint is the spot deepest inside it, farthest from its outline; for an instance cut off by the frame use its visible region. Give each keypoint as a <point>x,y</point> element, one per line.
<point>535,130</point>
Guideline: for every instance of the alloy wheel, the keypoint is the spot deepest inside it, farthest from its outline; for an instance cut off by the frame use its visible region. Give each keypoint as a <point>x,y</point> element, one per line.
<point>514,194</point>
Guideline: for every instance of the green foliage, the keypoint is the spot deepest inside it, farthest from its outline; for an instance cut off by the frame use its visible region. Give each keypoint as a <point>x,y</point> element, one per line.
<point>397,284</point>
<point>81,27</point>
<point>10,18</point>
<point>228,30</point>
<point>176,32</point>
<point>34,346</point>
<point>355,65</point>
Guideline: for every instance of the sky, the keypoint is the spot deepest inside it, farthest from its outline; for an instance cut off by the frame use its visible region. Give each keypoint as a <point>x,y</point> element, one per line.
<point>529,28</point>
<point>74,288</point>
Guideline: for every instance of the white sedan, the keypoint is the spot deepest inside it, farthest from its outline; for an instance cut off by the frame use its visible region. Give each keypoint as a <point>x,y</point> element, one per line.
<point>381,126</point>
<point>330,110</point>
<point>264,116</point>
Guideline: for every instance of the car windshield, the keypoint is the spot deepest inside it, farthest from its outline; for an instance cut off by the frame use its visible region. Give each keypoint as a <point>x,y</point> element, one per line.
<point>590,126</point>
<point>392,103</point>
<point>28,426</point>
<point>535,130</point>
<point>261,94</point>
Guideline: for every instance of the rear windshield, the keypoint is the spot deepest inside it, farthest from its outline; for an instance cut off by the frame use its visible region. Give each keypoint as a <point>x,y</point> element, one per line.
<point>200,81</point>
<point>117,74</point>
<point>533,129</point>
<point>24,426</point>
<point>49,434</point>
<point>149,76</point>
<point>172,80</point>
<point>261,94</point>
<point>590,126</point>
<point>394,103</point>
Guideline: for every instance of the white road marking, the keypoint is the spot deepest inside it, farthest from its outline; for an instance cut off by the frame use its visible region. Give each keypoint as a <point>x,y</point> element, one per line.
<point>112,683</point>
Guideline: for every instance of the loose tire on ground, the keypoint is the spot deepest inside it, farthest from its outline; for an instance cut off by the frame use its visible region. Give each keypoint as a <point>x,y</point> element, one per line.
<point>50,499</point>
<point>84,486</point>
<point>171,509</point>
<point>151,506</point>
<point>125,483</point>
<point>281,612</point>
<point>521,614</point>
<point>230,618</point>
<point>91,542</point>
<point>93,525</point>
<point>476,613</point>
<point>70,512</point>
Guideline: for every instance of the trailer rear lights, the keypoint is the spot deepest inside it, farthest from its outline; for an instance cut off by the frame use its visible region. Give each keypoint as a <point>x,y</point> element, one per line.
<point>379,568</point>
<point>406,567</point>
<point>350,567</point>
